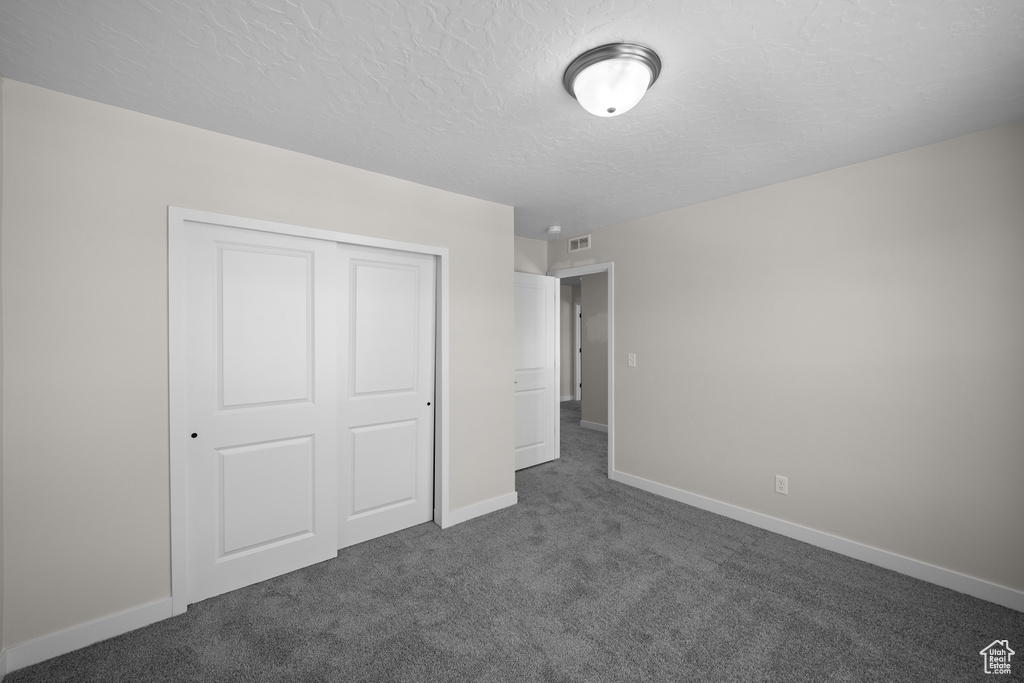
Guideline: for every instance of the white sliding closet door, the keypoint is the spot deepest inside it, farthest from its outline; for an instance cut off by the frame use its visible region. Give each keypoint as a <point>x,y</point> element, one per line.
<point>387,392</point>
<point>261,405</point>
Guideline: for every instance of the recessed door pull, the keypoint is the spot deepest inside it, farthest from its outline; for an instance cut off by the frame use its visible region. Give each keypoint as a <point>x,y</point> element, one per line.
<point>194,435</point>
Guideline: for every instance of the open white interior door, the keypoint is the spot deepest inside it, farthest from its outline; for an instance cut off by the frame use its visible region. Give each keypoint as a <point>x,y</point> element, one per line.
<point>536,369</point>
<point>261,400</point>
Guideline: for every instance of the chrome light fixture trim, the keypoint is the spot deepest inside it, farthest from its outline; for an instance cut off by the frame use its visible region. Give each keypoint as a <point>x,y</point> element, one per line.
<point>623,52</point>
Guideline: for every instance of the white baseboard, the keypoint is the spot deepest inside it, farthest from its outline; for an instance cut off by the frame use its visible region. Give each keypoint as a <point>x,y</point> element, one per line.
<point>962,583</point>
<point>70,639</point>
<point>484,507</point>
<point>596,426</point>
<point>568,398</point>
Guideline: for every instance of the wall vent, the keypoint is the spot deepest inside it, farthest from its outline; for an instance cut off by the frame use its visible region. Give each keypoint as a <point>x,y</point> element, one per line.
<point>581,243</point>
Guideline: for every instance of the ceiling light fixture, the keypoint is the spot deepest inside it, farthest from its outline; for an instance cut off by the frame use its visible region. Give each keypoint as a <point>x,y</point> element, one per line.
<point>554,229</point>
<point>609,80</point>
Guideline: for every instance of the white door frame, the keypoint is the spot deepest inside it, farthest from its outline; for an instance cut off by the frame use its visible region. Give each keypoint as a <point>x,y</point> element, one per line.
<point>177,367</point>
<point>609,268</point>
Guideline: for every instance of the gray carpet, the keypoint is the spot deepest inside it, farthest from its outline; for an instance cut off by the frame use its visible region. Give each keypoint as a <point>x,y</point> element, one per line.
<point>584,580</point>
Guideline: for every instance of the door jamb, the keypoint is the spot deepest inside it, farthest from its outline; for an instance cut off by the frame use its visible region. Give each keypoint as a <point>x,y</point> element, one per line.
<point>607,267</point>
<point>176,280</point>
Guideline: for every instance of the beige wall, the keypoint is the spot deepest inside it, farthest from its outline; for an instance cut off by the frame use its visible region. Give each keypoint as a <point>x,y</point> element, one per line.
<point>859,331</point>
<point>569,296</point>
<point>594,330</point>
<point>84,248</point>
<point>2,497</point>
<point>565,342</point>
<point>531,256</point>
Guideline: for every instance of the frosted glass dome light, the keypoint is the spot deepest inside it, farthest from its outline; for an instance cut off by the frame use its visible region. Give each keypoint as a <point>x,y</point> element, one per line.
<point>611,79</point>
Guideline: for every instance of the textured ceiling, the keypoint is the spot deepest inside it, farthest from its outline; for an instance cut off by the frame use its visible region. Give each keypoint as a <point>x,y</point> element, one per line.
<point>467,95</point>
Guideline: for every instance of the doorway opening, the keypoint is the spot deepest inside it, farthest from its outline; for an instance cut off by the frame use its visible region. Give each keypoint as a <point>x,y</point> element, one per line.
<point>568,275</point>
